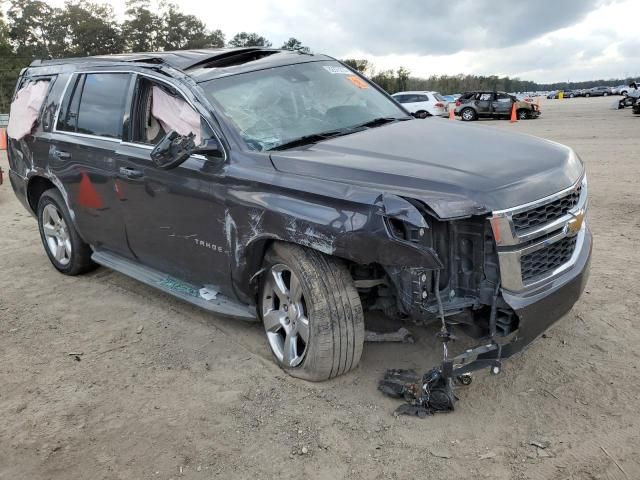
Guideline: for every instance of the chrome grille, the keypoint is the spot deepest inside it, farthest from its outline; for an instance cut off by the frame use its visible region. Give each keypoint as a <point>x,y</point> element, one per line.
<point>539,240</point>
<point>546,213</point>
<point>547,259</point>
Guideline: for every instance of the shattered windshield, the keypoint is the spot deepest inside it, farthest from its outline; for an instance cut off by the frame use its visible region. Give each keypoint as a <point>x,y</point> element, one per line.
<point>280,105</point>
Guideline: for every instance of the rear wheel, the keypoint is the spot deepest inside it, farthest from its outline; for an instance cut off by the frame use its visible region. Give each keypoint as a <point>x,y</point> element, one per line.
<point>605,94</point>
<point>65,249</point>
<point>311,312</point>
<point>468,114</point>
<point>422,114</point>
<point>587,95</point>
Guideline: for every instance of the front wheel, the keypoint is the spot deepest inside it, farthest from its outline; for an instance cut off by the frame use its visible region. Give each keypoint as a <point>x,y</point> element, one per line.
<point>587,95</point>
<point>523,114</point>
<point>311,312</point>
<point>468,114</point>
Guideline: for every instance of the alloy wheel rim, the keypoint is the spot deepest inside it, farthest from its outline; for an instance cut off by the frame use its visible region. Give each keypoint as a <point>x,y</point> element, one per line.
<point>56,234</point>
<point>467,115</point>
<point>284,312</point>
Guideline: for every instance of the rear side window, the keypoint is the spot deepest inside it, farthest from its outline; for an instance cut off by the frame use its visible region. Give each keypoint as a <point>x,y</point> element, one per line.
<point>95,105</point>
<point>26,106</point>
<point>421,98</point>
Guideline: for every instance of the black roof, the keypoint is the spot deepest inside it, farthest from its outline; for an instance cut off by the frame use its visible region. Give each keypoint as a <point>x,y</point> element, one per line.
<point>203,64</point>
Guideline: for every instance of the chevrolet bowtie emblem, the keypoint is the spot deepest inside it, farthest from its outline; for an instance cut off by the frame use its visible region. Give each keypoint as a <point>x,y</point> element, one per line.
<point>575,224</point>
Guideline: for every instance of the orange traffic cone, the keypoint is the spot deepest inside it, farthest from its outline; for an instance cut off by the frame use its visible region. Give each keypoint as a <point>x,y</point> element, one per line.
<point>514,116</point>
<point>3,139</point>
<point>88,195</point>
<point>452,115</point>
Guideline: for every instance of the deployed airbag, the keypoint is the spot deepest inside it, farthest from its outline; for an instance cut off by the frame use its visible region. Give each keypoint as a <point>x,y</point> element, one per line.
<point>175,114</point>
<point>25,109</point>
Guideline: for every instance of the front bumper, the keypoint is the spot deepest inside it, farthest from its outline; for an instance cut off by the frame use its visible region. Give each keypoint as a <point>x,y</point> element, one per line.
<point>536,312</point>
<point>539,309</point>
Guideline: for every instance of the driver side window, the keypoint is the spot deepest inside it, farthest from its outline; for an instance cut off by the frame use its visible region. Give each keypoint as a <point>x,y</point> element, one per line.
<point>158,108</point>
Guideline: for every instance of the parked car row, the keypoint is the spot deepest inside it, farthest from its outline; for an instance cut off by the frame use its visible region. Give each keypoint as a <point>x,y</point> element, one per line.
<point>602,91</point>
<point>468,106</point>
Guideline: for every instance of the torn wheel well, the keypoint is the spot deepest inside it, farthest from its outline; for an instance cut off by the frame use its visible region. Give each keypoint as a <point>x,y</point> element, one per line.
<point>37,186</point>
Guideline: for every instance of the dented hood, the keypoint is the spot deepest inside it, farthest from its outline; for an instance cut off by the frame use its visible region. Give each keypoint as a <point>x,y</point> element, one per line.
<point>457,169</point>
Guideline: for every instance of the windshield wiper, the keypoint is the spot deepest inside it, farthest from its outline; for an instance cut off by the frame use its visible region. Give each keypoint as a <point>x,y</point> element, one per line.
<point>316,137</point>
<point>376,122</point>
<point>313,138</point>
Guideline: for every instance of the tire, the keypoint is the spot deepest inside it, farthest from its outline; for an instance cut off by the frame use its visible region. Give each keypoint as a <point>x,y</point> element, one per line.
<point>329,302</point>
<point>66,250</point>
<point>523,114</point>
<point>422,114</point>
<point>587,95</point>
<point>571,96</point>
<point>468,114</point>
<point>605,94</point>
<point>624,93</point>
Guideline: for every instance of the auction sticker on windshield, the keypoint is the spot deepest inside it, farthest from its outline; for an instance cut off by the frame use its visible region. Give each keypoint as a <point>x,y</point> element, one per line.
<point>357,81</point>
<point>340,70</point>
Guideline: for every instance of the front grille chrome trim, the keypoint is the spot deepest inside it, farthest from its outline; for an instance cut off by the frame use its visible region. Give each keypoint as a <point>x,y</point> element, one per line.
<point>511,269</point>
<point>513,245</point>
<point>507,235</point>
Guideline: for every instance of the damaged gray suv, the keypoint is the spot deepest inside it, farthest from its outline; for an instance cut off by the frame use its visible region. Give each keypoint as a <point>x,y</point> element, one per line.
<point>285,187</point>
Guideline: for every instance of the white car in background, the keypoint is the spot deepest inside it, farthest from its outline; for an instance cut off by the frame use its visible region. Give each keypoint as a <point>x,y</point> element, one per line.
<point>423,104</point>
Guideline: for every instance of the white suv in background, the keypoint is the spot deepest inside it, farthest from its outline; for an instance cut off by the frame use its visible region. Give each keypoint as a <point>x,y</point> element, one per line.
<point>423,103</point>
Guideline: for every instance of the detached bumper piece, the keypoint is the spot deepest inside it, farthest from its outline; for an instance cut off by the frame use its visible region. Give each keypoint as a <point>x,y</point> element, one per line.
<point>434,392</point>
<point>423,396</point>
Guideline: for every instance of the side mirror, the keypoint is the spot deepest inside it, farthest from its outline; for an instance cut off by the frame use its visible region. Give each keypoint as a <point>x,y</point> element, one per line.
<point>174,149</point>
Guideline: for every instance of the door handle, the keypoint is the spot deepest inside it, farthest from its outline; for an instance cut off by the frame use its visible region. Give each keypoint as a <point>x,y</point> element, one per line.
<point>130,172</point>
<point>60,154</point>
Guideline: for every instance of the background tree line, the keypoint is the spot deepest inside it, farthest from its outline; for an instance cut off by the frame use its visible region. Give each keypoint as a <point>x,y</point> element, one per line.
<point>398,80</point>
<point>33,29</point>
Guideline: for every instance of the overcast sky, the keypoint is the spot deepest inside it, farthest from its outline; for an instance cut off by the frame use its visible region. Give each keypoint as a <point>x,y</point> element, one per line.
<point>540,40</point>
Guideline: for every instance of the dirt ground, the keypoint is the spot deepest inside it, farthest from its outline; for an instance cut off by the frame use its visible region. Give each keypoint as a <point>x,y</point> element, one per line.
<point>196,397</point>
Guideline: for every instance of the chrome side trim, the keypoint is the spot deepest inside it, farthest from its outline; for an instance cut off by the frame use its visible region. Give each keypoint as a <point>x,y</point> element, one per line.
<point>86,135</point>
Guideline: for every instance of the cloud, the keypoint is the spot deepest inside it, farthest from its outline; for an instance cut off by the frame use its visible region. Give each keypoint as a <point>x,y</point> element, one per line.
<point>541,40</point>
<point>425,27</point>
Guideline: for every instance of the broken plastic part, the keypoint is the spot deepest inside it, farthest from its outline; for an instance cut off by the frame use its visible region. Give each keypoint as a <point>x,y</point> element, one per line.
<point>397,207</point>
<point>430,394</point>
